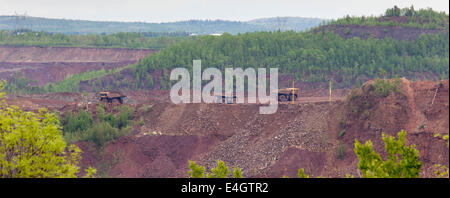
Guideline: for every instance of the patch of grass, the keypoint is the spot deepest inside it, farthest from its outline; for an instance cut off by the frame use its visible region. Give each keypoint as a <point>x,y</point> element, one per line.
<point>347,31</point>
<point>354,109</point>
<point>145,108</point>
<point>341,133</point>
<point>141,121</point>
<point>421,126</point>
<point>366,114</point>
<point>324,139</point>
<point>341,149</point>
<point>368,105</point>
<point>341,119</point>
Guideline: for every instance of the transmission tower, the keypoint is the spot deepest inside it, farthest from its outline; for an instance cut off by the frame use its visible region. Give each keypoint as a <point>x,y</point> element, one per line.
<point>281,23</point>
<point>20,21</point>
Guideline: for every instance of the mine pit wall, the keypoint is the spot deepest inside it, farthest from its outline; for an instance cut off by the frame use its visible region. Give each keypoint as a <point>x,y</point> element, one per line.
<point>49,72</point>
<point>51,64</point>
<point>237,134</point>
<point>70,54</point>
<point>259,145</point>
<point>410,109</point>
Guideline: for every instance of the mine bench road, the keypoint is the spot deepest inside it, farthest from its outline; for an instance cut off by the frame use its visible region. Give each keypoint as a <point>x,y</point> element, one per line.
<point>297,101</point>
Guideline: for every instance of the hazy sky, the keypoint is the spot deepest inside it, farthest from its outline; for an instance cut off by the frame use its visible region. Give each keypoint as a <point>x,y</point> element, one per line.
<point>175,10</point>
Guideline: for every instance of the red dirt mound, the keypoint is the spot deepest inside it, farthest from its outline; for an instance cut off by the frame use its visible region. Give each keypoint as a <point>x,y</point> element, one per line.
<point>365,117</point>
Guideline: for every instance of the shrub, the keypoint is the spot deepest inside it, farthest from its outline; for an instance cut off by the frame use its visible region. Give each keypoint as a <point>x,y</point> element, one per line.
<point>301,173</point>
<point>125,115</point>
<point>341,133</point>
<point>220,171</point>
<point>382,87</point>
<point>112,120</point>
<point>31,145</point>
<point>101,133</point>
<point>402,160</point>
<point>347,31</point>
<point>145,108</point>
<point>81,126</point>
<point>80,121</point>
<point>340,152</point>
<point>421,126</point>
<point>100,112</point>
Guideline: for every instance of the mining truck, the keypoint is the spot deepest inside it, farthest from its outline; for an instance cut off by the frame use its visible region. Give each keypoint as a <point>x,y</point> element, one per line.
<point>287,94</point>
<point>226,99</point>
<point>111,96</point>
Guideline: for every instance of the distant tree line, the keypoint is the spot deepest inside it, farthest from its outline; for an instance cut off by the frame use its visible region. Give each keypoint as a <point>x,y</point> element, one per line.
<point>405,17</point>
<point>307,56</point>
<point>148,40</point>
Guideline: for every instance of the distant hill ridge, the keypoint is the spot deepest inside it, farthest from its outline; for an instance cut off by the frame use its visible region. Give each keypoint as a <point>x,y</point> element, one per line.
<point>68,26</point>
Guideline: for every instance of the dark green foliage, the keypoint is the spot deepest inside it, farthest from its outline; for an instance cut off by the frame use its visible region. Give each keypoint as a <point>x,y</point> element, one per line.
<point>125,115</point>
<point>111,120</point>
<point>80,121</point>
<point>107,127</point>
<point>382,87</point>
<point>422,18</point>
<point>347,31</point>
<point>24,85</point>
<point>149,81</point>
<point>21,85</point>
<point>307,55</point>
<point>421,126</point>
<point>102,132</point>
<point>100,112</point>
<point>395,11</point>
<point>72,82</point>
<point>402,161</point>
<point>117,40</point>
<point>341,133</point>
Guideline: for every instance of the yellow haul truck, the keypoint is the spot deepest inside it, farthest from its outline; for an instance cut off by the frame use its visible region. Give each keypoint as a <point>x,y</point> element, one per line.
<point>287,94</point>
<point>111,96</point>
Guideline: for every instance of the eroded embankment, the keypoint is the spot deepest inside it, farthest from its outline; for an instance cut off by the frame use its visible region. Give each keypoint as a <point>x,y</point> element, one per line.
<point>237,134</point>
<point>51,64</point>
